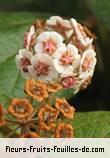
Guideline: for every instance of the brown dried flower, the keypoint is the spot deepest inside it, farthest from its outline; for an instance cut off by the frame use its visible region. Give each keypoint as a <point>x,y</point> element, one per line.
<point>64,131</point>
<point>30,135</point>
<point>63,106</point>
<point>36,89</point>
<point>47,116</point>
<point>20,108</point>
<point>45,127</point>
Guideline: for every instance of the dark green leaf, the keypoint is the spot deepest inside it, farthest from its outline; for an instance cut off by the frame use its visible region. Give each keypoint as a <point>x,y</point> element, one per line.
<point>101,9</point>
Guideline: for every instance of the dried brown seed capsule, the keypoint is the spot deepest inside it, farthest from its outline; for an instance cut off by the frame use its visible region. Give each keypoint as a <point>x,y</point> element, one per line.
<point>45,127</point>
<point>64,131</point>
<point>20,108</point>
<point>63,106</point>
<point>47,116</point>
<point>36,89</point>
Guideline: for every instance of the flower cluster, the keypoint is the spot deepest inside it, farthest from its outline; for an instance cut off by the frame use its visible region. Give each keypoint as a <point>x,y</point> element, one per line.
<point>43,120</point>
<point>57,54</point>
<point>58,50</point>
<point>40,90</point>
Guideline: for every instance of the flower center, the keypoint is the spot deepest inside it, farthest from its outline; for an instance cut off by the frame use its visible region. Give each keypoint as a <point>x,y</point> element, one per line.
<point>64,107</point>
<point>86,63</point>
<point>37,90</point>
<point>25,62</point>
<point>49,46</point>
<point>66,58</point>
<point>48,117</point>
<point>19,108</point>
<point>42,69</point>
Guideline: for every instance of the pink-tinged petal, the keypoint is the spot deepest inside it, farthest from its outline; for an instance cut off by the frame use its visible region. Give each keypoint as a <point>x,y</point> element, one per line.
<point>42,68</point>
<point>48,42</point>
<point>23,61</point>
<point>60,25</point>
<point>28,37</point>
<point>88,61</point>
<point>81,35</point>
<point>68,82</point>
<point>66,58</point>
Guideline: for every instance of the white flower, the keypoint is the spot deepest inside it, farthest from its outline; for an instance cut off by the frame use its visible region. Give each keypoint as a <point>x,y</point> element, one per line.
<point>23,62</point>
<point>88,63</point>
<point>42,68</point>
<point>66,59</point>
<point>81,36</point>
<point>29,36</point>
<point>59,24</point>
<point>48,42</point>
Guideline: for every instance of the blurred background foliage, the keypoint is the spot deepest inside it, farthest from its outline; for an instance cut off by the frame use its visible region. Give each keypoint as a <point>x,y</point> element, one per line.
<point>95,14</point>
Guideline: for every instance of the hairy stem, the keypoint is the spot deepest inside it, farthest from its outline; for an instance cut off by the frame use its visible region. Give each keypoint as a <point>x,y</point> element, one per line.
<point>25,128</point>
<point>12,132</point>
<point>12,121</point>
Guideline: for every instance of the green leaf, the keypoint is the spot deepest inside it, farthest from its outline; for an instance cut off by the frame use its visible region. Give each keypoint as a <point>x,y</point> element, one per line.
<point>12,28</point>
<point>92,124</point>
<point>101,9</point>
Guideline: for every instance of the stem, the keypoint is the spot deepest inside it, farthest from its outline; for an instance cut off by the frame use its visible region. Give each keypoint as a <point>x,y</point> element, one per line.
<point>25,128</point>
<point>32,120</point>
<point>12,132</point>
<point>30,99</point>
<point>12,121</point>
<point>38,108</point>
<point>34,113</point>
<point>51,98</point>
